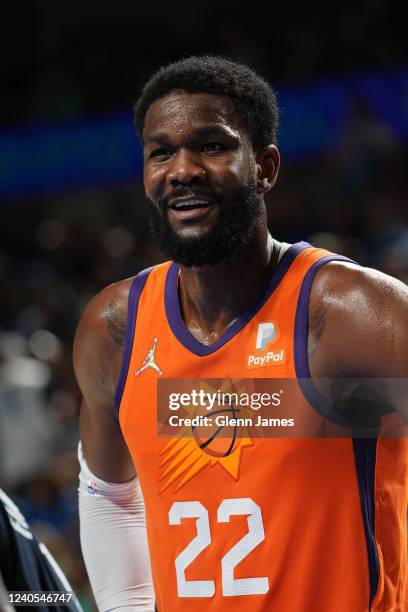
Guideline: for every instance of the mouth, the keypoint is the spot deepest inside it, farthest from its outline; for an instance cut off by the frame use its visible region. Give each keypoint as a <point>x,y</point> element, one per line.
<point>190,203</point>
<point>191,207</point>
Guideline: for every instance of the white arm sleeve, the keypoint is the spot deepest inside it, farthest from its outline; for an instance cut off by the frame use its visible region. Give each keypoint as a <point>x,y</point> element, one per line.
<point>114,542</point>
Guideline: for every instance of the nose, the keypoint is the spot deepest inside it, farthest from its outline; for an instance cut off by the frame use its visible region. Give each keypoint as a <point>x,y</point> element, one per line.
<point>185,169</point>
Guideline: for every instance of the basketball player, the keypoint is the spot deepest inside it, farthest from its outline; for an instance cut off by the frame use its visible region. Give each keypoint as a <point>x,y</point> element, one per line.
<point>297,525</point>
<point>27,565</point>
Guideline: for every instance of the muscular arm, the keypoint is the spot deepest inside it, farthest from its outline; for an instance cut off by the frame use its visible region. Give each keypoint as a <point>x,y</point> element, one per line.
<point>98,351</point>
<point>358,328</point>
<point>112,514</point>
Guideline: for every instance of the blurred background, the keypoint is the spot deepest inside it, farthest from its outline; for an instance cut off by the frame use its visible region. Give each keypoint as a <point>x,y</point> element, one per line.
<point>73,216</point>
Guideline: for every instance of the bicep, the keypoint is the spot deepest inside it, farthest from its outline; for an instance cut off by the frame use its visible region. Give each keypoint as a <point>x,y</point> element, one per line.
<point>103,445</point>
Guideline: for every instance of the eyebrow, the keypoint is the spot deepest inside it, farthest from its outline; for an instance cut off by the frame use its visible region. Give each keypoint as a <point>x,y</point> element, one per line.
<point>161,137</point>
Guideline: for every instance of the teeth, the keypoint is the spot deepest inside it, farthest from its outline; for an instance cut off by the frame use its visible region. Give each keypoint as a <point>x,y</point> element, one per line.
<point>190,204</point>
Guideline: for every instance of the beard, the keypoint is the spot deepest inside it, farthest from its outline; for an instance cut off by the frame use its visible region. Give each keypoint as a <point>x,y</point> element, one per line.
<point>235,229</point>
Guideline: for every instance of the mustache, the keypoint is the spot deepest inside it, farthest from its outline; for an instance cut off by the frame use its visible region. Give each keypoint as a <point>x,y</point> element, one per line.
<point>185,192</point>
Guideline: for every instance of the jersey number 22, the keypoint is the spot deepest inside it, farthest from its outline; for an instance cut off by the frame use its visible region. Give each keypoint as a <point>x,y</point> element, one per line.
<point>230,586</point>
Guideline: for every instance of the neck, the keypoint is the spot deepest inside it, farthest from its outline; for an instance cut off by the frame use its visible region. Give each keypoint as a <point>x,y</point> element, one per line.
<point>212,297</point>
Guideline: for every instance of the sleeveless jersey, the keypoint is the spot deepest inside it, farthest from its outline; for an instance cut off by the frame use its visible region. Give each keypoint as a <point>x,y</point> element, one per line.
<point>281,524</point>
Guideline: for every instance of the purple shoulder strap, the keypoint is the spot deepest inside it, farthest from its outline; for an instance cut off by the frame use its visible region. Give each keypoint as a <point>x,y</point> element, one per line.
<point>133,303</point>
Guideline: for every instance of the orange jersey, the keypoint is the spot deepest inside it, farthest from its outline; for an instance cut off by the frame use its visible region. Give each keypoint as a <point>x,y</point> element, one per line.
<point>282,524</point>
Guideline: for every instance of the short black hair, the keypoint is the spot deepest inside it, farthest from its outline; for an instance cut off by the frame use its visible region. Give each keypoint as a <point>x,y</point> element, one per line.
<point>253,98</point>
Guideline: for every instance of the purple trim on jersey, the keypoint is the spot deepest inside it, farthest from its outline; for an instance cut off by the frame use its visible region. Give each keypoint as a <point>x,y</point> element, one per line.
<point>135,290</point>
<point>364,448</point>
<point>175,318</point>
<point>365,455</point>
<point>315,399</point>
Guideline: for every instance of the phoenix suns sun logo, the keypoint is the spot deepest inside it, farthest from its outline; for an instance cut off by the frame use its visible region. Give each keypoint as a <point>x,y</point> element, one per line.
<point>197,448</point>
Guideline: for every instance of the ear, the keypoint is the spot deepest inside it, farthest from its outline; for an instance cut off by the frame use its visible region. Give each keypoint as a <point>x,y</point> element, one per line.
<point>267,168</point>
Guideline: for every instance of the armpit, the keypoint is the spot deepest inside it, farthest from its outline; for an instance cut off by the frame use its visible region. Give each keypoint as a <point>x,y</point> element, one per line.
<point>116,322</point>
<point>317,321</point>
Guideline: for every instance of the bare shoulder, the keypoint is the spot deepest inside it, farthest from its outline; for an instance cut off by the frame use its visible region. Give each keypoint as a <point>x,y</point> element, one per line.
<point>99,341</point>
<point>352,289</point>
<point>358,322</point>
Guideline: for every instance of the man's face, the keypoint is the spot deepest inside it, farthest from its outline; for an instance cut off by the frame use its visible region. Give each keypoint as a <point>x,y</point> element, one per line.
<point>199,176</point>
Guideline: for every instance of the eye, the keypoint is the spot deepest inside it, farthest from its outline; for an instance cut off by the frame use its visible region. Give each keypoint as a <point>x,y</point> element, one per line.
<point>161,152</point>
<point>212,147</point>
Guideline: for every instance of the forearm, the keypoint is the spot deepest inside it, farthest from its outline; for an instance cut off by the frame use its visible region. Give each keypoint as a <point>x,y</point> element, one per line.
<point>114,542</point>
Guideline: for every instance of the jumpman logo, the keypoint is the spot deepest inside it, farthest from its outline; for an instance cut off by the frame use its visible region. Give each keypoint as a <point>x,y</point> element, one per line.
<point>149,362</point>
